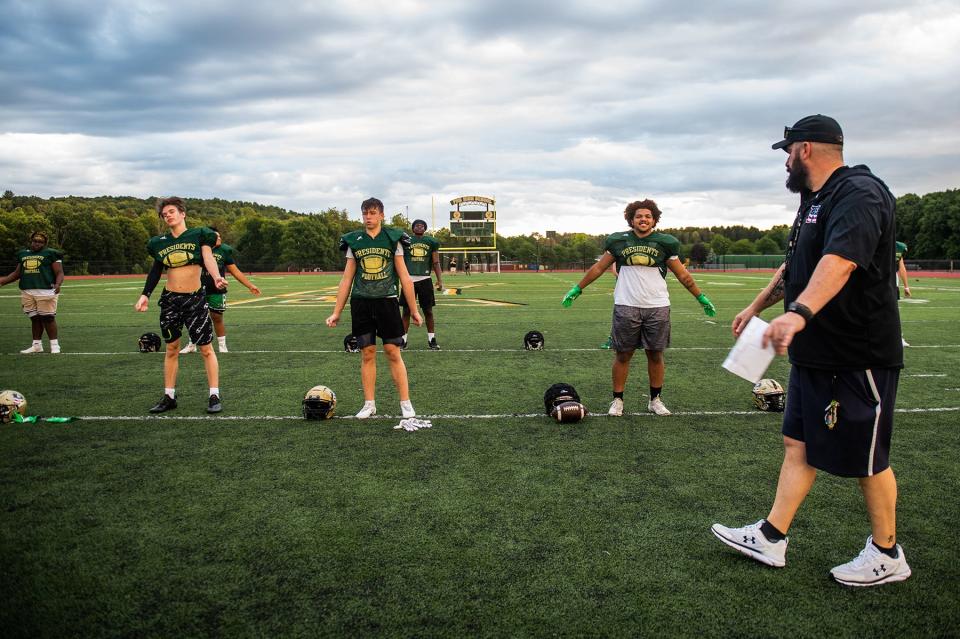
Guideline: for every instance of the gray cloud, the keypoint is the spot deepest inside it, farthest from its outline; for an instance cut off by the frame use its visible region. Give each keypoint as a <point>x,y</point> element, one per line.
<point>566,106</point>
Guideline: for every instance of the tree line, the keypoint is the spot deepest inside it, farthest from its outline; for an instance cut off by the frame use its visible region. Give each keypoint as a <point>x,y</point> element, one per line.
<point>106,235</point>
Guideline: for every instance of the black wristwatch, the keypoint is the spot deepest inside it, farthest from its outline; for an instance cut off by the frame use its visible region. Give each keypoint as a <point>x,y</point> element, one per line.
<point>801,310</point>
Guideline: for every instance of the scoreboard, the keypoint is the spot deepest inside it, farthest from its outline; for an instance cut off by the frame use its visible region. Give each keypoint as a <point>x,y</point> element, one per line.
<point>473,223</point>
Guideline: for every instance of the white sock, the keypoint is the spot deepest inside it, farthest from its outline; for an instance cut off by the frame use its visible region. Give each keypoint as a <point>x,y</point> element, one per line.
<point>430,336</point>
<point>38,342</point>
<point>215,390</point>
<point>406,404</point>
<point>54,342</point>
<point>170,392</point>
<point>404,337</point>
<point>222,341</point>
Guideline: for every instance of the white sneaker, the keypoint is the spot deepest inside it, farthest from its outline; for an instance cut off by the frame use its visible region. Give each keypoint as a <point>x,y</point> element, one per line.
<point>616,407</point>
<point>369,410</point>
<point>34,348</point>
<point>904,342</point>
<point>406,409</point>
<point>54,348</point>
<point>189,348</point>
<point>751,542</point>
<point>872,567</point>
<point>223,349</point>
<point>656,406</point>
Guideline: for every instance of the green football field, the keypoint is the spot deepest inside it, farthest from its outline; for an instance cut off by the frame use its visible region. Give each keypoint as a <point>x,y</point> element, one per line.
<point>494,522</point>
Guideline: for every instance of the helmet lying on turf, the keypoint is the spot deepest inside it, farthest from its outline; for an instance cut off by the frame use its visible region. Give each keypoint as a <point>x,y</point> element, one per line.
<point>319,403</point>
<point>11,402</point>
<point>533,341</point>
<point>557,394</point>
<point>149,343</point>
<point>768,395</point>
<point>351,344</point>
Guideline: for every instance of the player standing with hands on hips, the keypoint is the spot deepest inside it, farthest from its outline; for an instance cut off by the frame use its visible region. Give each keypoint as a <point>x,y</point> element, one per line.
<point>374,267</point>
<point>641,303</point>
<point>184,253</point>
<point>841,329</point>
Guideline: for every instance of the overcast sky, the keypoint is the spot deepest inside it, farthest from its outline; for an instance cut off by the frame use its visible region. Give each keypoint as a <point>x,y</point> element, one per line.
<point>562,111</point>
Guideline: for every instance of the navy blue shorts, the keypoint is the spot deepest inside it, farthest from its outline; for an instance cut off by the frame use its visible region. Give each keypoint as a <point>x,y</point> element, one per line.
<point>858,443</point>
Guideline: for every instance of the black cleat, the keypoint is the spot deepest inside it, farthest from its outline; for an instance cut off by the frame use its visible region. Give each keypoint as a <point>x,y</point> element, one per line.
<point>433,344</point>
<point>214,406</point>
<point>165,404</point>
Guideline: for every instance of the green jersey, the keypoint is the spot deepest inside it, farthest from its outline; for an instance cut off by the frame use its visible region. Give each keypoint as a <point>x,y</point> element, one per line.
<point>899,252</point>
<point>642,267</point>
<point>223,254</point>
<point>174,252</point>
<point>36,268</point>
<point>419,256</point>
<point>376,275</point>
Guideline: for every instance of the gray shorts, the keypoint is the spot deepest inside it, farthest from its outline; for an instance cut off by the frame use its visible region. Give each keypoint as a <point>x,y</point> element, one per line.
<point>647,328</point>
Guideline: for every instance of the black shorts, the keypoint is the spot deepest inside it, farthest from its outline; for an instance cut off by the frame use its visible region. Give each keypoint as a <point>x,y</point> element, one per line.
<point>185,309</point>
<point>372,318</point>
<point>423,293</point>
<point>858,445</point>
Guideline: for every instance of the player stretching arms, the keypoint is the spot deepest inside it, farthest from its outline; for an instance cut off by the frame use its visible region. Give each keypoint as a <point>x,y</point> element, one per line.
<point>182,251</point>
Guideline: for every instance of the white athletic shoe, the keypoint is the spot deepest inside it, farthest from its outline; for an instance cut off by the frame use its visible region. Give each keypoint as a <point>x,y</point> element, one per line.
<point>189,348</point>
<point>223,349</point>
<point>904,342</point>
<point>34,348</point>
<point>656,406</point>
<point>54,348</point>
<point>872,567</point>
<point>751,542</point>
<point>406,409</point>
<point>369,410</point>
<point>616,407</point>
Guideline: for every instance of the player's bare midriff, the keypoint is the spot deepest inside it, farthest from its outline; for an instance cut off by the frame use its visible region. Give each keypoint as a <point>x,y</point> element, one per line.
<point>183,279</point>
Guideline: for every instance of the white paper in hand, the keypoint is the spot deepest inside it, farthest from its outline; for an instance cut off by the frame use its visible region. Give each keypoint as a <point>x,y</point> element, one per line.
<point>748,358</point>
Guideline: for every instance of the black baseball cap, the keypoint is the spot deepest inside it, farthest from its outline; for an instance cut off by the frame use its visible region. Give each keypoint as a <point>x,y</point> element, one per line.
<point>813,128</point>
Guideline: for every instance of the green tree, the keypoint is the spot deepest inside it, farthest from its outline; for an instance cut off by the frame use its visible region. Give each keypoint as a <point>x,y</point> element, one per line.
<point>743,247</point>
<point>699,253</point>
<point>720,244</point>
<point>767,246</point>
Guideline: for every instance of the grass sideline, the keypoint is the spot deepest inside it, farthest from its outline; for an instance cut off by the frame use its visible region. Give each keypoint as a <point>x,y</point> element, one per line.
<point>501,525</point>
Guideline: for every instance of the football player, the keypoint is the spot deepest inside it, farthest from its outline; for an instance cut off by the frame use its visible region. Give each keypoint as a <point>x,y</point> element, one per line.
<point>40,271</point>
<point>641,311</point>
<point>899,251</point>
<point>183,252</point>
<point>422,257</point>
<point>374,268</point>
<point>217,298</point>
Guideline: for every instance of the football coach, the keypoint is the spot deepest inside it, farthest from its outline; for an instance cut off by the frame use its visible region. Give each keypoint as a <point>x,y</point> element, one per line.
<point>841,329</point>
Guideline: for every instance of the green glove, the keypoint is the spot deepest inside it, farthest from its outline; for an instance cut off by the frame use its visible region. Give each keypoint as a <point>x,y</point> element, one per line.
<point>707,305</point>
<point>571,295</point>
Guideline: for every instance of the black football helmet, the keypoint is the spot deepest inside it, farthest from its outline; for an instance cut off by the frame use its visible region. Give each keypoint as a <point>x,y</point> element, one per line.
<point>558,394</point>
<point>319,403</point>
<point>533,341</point>
<point>149,343</point>
<point>351,344</point>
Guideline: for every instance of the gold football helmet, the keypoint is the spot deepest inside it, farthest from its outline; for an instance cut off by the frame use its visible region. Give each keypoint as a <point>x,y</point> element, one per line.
<point>11,402</point>
<point>319,403</point>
